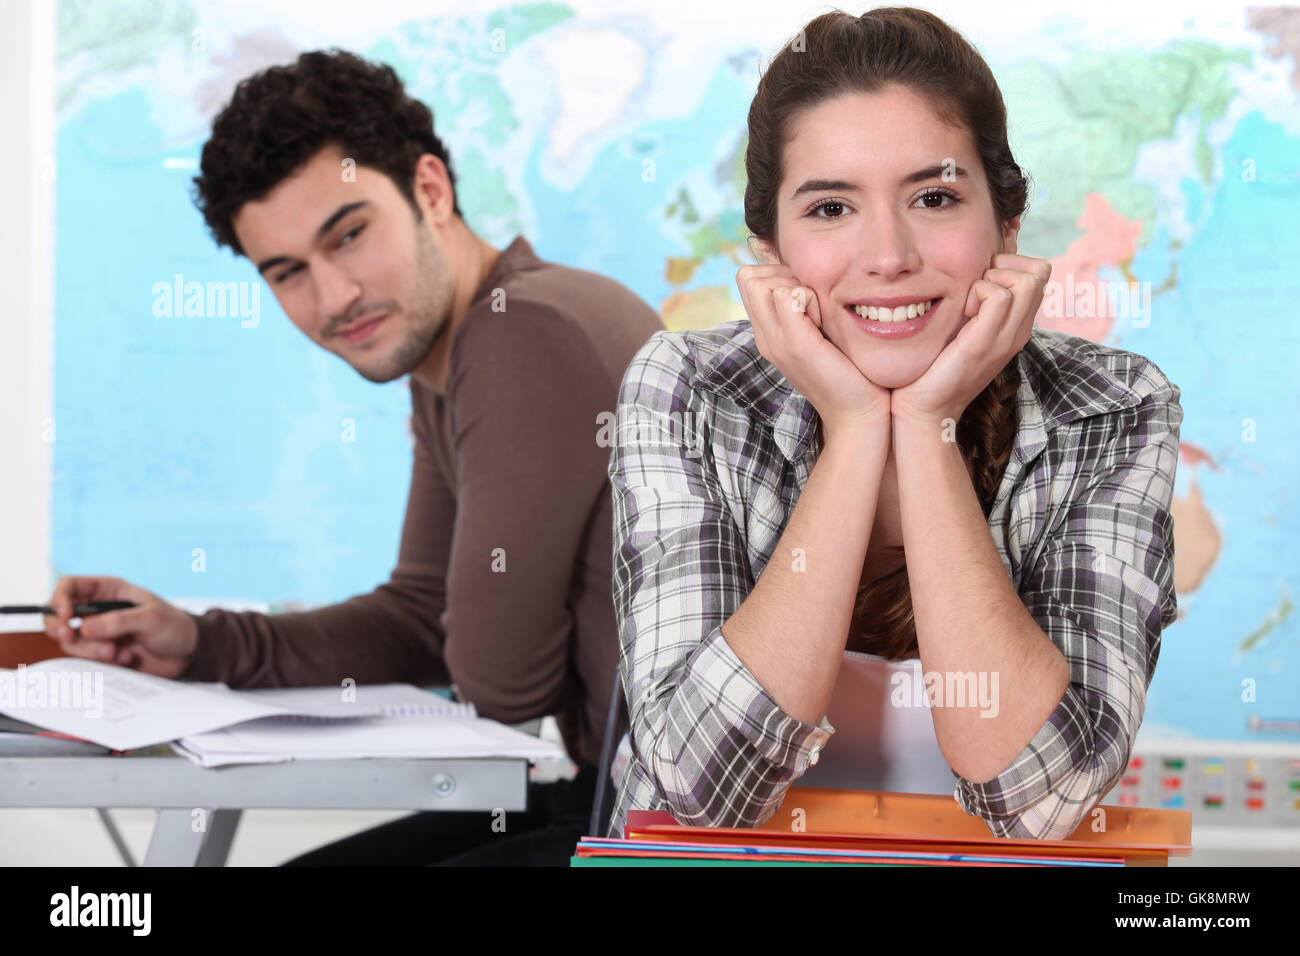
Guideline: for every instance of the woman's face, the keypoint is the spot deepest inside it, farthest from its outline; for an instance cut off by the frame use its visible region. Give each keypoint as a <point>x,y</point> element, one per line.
<point>853,224</point>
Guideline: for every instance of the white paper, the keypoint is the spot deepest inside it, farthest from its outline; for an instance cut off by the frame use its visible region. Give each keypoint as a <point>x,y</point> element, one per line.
<point>124,709</point>
<point>274,740</point>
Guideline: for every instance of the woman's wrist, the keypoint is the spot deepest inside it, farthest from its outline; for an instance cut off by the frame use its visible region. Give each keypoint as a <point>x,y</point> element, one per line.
<point>867,434</point>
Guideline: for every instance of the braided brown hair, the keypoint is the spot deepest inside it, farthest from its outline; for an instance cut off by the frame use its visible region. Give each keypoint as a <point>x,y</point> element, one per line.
<point>840,53</point>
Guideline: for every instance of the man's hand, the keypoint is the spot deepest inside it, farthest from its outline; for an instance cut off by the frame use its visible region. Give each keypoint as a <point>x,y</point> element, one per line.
<point>153,637</point>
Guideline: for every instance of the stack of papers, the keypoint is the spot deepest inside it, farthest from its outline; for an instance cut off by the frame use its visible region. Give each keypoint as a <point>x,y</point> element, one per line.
<point>213,725</point>
<point>834,827</point>
<point>276,739</point>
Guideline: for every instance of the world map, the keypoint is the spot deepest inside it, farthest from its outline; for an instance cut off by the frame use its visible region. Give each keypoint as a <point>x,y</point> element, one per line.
<point>215,453</point>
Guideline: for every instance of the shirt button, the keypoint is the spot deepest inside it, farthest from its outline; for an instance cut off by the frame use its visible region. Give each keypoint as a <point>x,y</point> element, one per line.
<point>813,756</point>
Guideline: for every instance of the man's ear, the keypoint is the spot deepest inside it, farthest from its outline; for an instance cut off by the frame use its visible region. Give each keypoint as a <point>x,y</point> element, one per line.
<point>433,184</point>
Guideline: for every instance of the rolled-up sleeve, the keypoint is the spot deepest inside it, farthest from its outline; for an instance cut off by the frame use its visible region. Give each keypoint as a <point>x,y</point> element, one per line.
<point>717,747</point>
<point>1102,590</point>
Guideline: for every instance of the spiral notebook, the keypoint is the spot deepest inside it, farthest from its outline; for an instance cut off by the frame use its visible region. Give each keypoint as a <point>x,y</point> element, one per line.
<point>372,700</point>
<point>375,720</point>
<point>451,735</point>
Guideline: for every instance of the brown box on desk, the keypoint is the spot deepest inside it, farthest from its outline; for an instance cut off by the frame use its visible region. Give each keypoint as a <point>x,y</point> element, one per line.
<point>27,647</point>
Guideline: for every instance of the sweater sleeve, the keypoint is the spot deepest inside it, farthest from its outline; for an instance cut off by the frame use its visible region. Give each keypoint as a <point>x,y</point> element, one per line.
<point>526,389</point>
<point>394,633</point>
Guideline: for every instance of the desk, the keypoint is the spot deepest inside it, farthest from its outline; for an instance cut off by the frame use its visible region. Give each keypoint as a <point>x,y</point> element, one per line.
<point>178,789</point>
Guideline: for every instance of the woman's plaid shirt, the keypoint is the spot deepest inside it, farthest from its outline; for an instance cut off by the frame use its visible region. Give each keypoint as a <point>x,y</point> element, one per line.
<point>713,449</point>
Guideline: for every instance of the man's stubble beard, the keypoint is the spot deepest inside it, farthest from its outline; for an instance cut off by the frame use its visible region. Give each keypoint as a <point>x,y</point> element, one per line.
<point>428,312</point>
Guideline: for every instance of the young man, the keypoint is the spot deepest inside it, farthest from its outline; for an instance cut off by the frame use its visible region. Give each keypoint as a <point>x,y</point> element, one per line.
<point>331,180</point>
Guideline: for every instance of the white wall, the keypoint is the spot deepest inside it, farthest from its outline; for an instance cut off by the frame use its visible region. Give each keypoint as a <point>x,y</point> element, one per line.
<point>26,316</point>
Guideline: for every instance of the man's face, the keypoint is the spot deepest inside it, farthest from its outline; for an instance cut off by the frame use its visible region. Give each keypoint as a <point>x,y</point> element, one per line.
<point>863,230</point>
<point>340,254</point>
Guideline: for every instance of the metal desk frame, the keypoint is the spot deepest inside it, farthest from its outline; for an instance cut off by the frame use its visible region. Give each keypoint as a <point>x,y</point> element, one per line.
<point>179,789</point>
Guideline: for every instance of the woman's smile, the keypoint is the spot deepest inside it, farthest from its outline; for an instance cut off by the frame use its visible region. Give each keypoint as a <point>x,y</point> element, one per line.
<point>895,327</point>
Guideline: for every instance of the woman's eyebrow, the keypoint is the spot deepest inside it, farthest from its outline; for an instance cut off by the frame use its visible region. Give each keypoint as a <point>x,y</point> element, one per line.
<point>840,185</point>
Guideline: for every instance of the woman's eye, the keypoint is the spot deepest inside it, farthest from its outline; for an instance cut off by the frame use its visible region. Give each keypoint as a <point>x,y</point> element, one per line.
<point>939,194</point>
<point>835,204</point>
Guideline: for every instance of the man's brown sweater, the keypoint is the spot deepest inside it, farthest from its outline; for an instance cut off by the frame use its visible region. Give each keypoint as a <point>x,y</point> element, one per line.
<point>503,579</point>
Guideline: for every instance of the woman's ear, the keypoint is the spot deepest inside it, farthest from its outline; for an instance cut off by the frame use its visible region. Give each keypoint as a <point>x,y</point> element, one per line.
<point>1009,234</point>
<point>763,252</point>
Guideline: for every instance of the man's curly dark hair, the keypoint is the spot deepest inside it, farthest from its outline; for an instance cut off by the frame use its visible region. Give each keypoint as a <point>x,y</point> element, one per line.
<point>280,118</point>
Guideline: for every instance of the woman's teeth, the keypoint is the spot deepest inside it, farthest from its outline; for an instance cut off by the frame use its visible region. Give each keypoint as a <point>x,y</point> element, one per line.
<point>900,314</point>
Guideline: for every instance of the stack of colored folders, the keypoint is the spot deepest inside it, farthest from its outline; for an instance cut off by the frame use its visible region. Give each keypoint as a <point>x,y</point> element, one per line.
<point>824,827</point>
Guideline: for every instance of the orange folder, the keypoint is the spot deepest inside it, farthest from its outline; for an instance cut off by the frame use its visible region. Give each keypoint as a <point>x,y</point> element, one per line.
<point>843,819</point>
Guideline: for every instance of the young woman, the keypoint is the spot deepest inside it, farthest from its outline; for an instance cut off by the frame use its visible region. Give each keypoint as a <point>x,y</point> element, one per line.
<point>888,459</point>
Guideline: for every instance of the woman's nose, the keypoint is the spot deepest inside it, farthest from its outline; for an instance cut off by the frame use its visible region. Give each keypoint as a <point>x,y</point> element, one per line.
<point>887,248</point>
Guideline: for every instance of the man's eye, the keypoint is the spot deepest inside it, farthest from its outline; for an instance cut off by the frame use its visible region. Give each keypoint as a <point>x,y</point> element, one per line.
<point>350,234</point>
<point>284,275</point>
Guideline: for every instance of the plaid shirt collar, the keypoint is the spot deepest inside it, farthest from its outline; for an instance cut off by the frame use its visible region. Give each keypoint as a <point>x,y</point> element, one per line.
<point>1056,387</point>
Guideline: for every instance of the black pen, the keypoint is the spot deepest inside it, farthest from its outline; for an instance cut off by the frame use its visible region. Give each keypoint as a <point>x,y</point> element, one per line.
<point>78,610</point>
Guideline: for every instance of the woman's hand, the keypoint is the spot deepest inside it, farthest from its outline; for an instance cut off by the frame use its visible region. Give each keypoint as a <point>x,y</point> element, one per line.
<point>1003,305</point>
<point>787,325</point>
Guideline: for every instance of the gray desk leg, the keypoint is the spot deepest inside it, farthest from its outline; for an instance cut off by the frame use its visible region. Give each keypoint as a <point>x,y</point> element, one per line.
<point>221,834</point>
<point>176,843</point>
<point>115,835</point>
